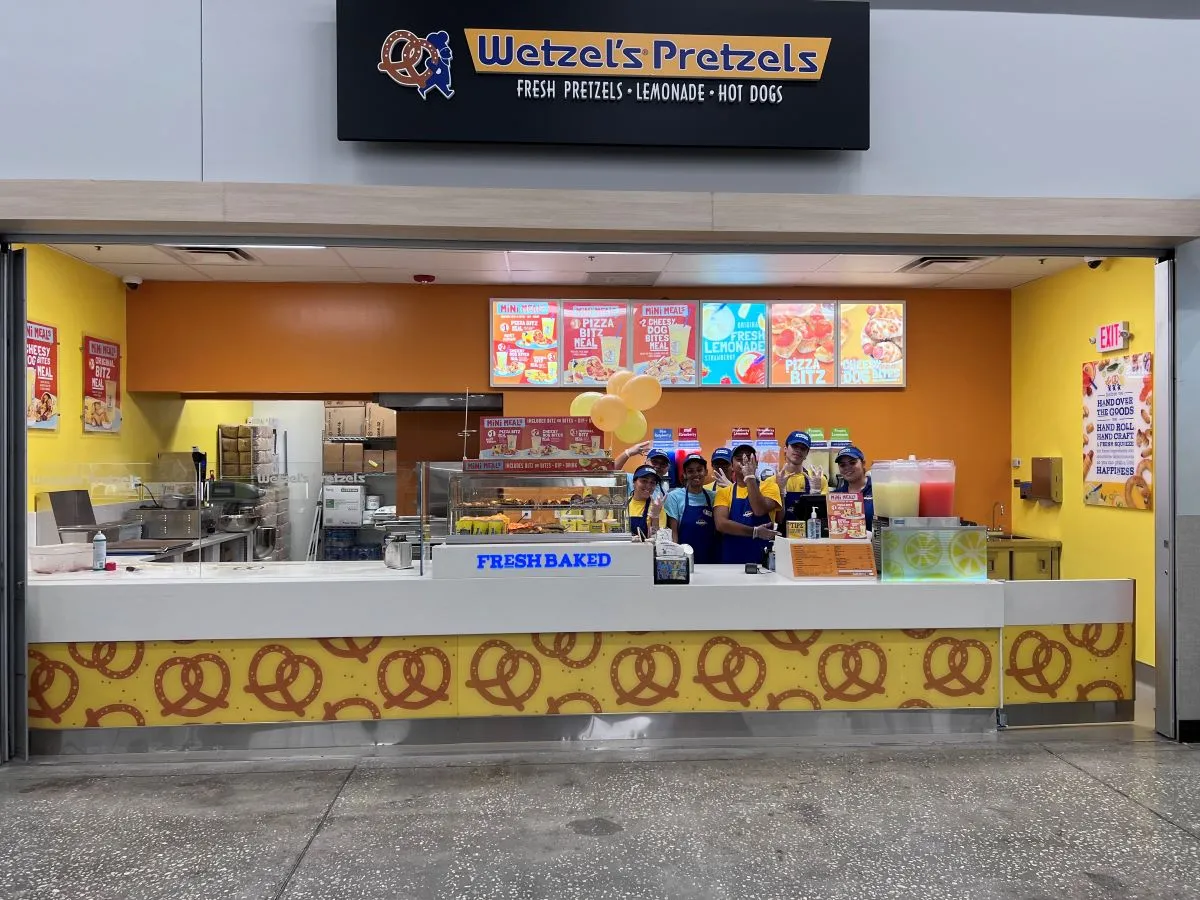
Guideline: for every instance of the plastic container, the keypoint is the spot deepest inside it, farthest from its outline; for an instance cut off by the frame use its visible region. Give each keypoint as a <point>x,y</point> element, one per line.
<point>56,558</point>
<point>896,489</point>
<point>99,551</point>
<point>937,477</point>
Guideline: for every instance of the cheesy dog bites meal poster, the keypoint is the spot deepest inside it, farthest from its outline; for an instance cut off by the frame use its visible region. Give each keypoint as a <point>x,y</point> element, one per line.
<point>41,376</point>
<point>595,341</point>
<point>525,343</point>
<point>664,342</point>
<point>872,345</point>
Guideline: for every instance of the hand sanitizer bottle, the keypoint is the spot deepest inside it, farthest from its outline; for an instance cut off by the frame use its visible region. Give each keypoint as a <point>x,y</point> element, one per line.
<point>99,552</point>
<point>812,528</point>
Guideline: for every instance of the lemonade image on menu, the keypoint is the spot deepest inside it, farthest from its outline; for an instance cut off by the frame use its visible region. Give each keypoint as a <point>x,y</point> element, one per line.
<point>536,437</point>
<point>548,328</point>
<point>681,337</point>
<point>610,350</point>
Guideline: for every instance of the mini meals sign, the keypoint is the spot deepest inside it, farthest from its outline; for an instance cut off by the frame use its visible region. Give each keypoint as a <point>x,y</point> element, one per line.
<point>758,73</point>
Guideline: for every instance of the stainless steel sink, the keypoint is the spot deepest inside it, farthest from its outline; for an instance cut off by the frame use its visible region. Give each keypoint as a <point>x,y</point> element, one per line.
<point>1001,536</point>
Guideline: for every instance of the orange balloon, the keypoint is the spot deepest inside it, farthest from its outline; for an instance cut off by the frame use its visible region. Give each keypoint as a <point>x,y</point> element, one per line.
<point>608,413</point>
<point>641,392</point>
<point>618,380</point>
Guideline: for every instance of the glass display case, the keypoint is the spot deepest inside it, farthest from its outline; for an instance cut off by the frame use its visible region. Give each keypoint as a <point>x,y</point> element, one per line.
<point>505,506</point>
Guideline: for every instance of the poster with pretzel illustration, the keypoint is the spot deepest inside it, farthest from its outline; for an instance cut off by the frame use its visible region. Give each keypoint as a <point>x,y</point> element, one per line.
<point>1118,432</point>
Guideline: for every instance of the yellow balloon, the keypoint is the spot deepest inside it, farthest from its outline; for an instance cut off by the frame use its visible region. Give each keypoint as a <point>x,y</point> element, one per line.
<point>608,413</point>
<point>582,405</point>
<point>641,392</point>
<point>618,380</point>
<point>633,428</point>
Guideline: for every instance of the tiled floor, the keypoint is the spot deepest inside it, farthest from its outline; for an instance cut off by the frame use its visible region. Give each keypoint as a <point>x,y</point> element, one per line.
<point>1070,813</point>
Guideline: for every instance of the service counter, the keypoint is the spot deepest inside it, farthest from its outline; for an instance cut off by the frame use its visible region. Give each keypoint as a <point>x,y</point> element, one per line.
<point>181,644</point>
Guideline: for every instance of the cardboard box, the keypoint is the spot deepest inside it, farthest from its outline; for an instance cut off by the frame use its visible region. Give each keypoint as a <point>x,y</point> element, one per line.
<point>389,460</point>
<point>336,404</point>
<point>229,431</point>
<point>344,504</point>
<point>264,456</point>
<point>344,421</point>
<point>244,445</point>
<point>373,461</point>
<point>246,459</point>
<point>353,458</point>
<point>229,444</point>
<point>231,470</point>
<point>381,421</point>
<point>243,431</point>
<point>332,458</point>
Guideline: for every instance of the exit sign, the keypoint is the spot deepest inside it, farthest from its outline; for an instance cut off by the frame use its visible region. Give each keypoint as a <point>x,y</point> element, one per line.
<point>1114,336</point>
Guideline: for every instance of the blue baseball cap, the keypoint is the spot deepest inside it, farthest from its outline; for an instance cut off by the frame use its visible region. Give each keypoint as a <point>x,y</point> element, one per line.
<point>658,451</point>
<point>692,457</point>
<point>645,472</point>
<point>852,452</point>
<point>722,454</point>
<point>798,437</point>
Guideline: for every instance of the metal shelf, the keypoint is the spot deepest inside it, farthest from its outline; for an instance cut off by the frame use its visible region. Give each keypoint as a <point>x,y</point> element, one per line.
<point>568,537</point>
<point>360,439</point>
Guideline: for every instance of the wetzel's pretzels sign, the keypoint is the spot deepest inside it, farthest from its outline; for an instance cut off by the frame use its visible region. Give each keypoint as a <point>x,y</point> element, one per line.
<point>755,74</point>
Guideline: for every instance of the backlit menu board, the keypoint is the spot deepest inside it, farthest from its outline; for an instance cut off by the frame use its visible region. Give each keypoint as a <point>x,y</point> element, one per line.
<point>664,342</point>
<point>595,340</point>
<point>872,345</point>
<point>733,350</point>
<point>525,343</point>
<point>803,344</point>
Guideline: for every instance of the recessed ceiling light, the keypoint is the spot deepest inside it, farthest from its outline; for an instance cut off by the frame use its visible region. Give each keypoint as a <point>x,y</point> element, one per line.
<point>246,246</point>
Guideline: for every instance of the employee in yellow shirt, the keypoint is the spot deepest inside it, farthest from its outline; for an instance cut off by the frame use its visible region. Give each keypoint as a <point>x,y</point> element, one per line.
<point>646,514</point>
<point>745,510</point>
<point>796,478</point>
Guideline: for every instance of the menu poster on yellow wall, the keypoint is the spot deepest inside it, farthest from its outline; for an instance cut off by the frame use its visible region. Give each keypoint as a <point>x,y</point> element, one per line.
<point>1118,432</point>
<point>872,345</point>
<point>41,376</point>
<point>101,385</point>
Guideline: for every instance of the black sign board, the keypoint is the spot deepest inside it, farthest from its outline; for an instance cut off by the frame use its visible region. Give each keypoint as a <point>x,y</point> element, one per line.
<point>668,73</point>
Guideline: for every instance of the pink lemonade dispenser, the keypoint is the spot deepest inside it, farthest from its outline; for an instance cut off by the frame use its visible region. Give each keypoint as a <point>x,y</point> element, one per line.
<point>937,477</point>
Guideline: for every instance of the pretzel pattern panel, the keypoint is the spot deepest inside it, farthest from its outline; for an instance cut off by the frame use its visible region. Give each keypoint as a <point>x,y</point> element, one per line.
<point>1097,656</point>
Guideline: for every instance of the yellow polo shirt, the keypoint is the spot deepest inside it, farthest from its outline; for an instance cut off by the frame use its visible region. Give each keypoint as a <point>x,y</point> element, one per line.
<point>769,489</point>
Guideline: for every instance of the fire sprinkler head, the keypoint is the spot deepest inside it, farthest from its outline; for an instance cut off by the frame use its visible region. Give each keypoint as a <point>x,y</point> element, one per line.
<point>424,279</point>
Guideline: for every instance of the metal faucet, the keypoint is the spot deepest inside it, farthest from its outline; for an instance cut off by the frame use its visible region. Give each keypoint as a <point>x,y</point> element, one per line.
<point>995,529</point>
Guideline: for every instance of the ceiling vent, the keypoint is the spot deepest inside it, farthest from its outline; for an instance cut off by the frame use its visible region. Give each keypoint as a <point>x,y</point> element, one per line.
<point>945,265</point>
<point>207,254</point>
<point>622,279</point>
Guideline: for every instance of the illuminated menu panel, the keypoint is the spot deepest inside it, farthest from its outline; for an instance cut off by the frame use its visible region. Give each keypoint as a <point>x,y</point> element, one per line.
<point>525,339</point>
<point>804,344</point>
<point>664,342</point>
<point>595,340</point>
<point>733,350</point>
<point>872,345</point>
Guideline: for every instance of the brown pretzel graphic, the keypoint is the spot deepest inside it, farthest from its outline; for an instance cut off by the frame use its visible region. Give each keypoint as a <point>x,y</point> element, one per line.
<point>1033,677</point>
<point>723,685</point>
<point>332,709</point>
<point>554,705</point>
<point>776,701</point>
<point>92,717</point>
<point>350,648</point>
<point>1084,690</point>
<point>956,683</point>
<point>497,690</point>
<point>195,701</point>
<point>1090,639</point>
<point>918,633</point>
<point>41,680</point>
<point>277,694</point>
<point>790,640</point>
<point>404,70</point>
<point>105,652</point>
<point>916,703</point>
<point>854,688</point>
<point>564,643</point>
<point>647,691</point>
<point>415,694</point>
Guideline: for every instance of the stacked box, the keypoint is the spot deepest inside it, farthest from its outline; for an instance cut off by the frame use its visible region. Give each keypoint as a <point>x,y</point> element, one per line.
<point>346,420</point>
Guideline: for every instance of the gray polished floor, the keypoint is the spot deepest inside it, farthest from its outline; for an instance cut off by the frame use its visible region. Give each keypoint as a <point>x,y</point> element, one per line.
<point>1078,813</point>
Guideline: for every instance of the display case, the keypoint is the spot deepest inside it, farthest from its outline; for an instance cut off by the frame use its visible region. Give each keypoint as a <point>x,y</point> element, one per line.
<point>507,506</point>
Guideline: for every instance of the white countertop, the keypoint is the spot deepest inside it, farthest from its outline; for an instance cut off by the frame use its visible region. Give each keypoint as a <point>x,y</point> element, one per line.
<point>189,601</point>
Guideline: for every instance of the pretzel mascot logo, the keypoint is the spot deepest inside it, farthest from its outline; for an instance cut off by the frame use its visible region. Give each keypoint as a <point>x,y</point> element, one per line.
<point>423,63</point>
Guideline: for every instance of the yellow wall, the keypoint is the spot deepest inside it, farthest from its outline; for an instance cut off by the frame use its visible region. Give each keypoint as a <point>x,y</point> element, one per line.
<point>79,299</point>
<point>1053,318</point>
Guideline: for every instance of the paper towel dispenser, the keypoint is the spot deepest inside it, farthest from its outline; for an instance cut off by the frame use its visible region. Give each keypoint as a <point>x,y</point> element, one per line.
<point>1046,483</point>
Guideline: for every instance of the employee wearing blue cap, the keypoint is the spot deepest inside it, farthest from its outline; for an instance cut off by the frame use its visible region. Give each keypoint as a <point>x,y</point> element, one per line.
<point>796,478</point>
<point>853,479</point>
<point>645,505</point>
<point>722,462</point>
<point>690,511</point>
<point>746,510</point>
<point>658,459</point>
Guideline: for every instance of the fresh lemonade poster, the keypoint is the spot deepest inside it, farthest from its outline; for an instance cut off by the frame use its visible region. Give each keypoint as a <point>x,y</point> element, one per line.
<point>734,344</point>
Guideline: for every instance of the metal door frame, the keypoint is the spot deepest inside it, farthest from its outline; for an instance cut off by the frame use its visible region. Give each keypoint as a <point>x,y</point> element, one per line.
<point>14,739</point>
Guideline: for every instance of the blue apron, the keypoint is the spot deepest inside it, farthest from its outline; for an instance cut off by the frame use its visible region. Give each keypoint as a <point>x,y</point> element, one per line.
<point>736,548</point>
<point>637,524</point>
<point>791,498</point>
<point>698,527</point>
<point>868,500</point>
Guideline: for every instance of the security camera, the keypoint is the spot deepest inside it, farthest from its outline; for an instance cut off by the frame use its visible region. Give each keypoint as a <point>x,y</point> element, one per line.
<point>133,282</point>
<point>1093,262</point>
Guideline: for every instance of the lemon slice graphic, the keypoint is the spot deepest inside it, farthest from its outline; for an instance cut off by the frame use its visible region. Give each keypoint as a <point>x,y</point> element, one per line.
<point>923,550</point>
<point>968,554</point>
<point>893,570</point>
<point>718,322</point>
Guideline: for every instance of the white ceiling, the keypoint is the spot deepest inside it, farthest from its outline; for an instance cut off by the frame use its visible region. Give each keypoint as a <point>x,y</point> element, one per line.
<point>398,266</point>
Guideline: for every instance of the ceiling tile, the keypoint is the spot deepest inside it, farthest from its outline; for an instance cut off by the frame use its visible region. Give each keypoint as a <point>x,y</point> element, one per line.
<point>550,278</point>
<point>279,273</point>
<point>973,281</point>
<point>534,261</point>
<point>102,255</point>
<point>710,263</point>
<point>150,272</point>
<point>443,276</point>
<point>424,260</point>
<point>852,262</point>
<point>324,258</point>
<point>1034,266</point>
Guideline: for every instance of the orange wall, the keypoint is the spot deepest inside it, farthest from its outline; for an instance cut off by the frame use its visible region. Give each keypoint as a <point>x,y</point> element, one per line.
<point>352,339</point>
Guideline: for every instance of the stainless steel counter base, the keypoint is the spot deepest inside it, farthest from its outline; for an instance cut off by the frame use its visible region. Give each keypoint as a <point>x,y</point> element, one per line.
<point>457,733</point>
<point>1091,712</point>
